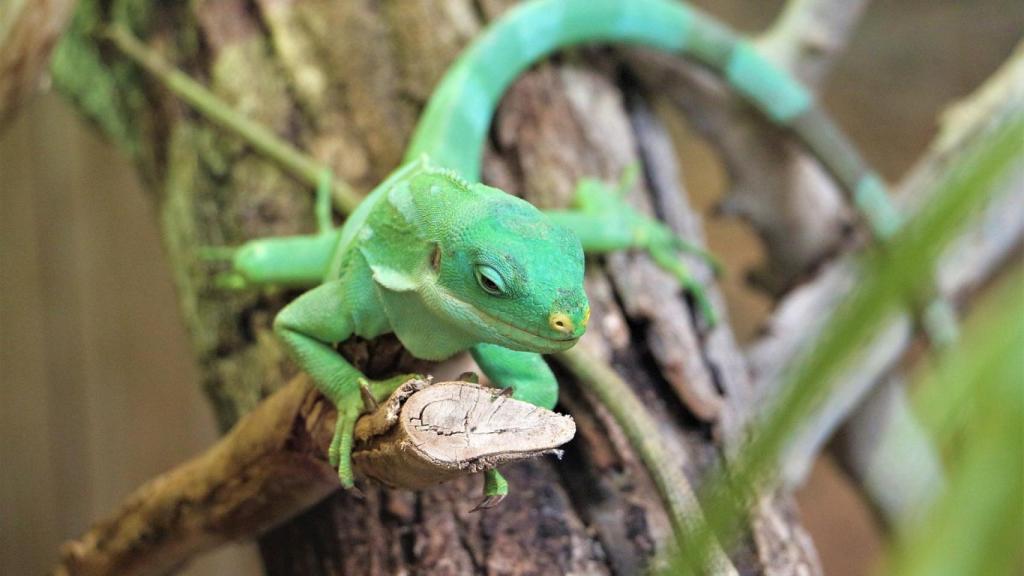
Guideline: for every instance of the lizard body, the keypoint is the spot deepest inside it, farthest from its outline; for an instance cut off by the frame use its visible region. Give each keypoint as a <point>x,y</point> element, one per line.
<point>449,265</point>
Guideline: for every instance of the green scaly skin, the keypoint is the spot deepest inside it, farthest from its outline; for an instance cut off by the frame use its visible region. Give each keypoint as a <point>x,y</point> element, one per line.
<point>449,265</point>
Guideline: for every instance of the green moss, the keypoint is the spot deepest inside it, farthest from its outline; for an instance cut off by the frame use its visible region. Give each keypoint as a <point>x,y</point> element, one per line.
<point>105,88</point>
<point>81,74</point>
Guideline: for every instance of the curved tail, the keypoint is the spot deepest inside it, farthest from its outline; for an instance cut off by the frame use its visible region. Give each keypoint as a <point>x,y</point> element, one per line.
<point>453,127</point>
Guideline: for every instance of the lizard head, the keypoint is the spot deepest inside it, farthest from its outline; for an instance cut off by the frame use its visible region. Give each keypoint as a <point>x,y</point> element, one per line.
<point>514,277</point>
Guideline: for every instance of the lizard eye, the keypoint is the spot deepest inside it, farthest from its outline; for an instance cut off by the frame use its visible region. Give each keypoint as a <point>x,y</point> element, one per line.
<point>490,280</point>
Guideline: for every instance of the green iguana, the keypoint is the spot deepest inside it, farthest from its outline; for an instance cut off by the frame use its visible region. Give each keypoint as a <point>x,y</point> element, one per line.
<point>448,264</point>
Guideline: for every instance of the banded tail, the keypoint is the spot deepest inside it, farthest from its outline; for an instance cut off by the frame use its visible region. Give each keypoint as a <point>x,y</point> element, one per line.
<point>453,127</point>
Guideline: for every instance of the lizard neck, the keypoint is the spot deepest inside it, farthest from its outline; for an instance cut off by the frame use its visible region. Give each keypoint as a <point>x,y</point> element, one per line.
<point>424,332</point>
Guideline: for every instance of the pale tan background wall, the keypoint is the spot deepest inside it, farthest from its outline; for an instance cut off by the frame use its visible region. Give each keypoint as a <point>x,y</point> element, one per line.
<point>97,388</point>
<point>98,391</point>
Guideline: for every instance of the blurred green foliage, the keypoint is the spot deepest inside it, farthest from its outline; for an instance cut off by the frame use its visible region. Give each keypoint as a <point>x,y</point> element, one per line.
<point>973,404</point>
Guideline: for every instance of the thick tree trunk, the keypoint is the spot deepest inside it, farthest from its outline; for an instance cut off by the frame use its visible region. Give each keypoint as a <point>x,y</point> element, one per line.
<point>346,81</point>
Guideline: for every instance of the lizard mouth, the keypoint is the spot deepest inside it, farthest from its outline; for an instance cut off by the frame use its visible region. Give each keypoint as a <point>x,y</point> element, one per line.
<point>525,331</point>
<point>549,343</point>
<point>521,337</point>
<point>512,336</point>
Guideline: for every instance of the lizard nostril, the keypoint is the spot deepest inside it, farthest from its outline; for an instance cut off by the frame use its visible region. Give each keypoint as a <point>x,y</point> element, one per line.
<point>560,322</point>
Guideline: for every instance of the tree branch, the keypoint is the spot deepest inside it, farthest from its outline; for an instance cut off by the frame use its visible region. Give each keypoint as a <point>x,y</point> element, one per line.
<point>272,465</point>
<point>888,453</point>
<point>774,185</point>
<point>698,370</point>
<point>28,31</point>
<point>253,133</point>
<point>810,35</point>
<point>975,258</point>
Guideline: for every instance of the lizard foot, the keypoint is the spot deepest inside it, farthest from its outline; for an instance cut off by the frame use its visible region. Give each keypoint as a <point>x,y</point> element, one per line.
<point>489,502</point>
<point>351,406</point>
<point>647,233</point>
<point>495,490</point>
<point>666,259</point>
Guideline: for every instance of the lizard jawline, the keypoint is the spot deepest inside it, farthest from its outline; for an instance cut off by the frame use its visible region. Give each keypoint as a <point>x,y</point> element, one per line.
<point>532,343</point>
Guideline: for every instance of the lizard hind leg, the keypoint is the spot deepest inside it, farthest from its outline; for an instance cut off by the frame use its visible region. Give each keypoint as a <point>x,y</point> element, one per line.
<point>289,261</point>
<point>292,261</point>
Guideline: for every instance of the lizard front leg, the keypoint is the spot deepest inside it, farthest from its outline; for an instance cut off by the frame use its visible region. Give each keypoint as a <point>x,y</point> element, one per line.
<point>310,327</point>
<point>525,374</point>
<point>605,222</point>
<point>529,378</point>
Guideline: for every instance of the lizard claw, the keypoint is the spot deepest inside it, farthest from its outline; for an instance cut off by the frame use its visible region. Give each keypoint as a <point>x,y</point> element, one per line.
<point>369,402</point>
<point>350,407</point>
<point>470,377</point>
<point>489,502</point>
<point>701,254</point>
<point>495,490</point>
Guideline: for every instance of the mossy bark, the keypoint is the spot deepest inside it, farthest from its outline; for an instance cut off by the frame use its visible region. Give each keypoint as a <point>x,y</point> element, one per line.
<point>345,81</point>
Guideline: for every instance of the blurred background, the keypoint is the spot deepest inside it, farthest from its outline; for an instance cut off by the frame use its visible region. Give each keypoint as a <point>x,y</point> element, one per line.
<point>98,392</point>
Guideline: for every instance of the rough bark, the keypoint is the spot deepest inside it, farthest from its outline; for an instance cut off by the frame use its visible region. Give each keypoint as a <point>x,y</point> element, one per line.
<point>345,81</point>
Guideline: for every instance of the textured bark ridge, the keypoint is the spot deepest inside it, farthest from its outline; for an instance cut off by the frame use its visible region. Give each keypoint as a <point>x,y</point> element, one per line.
<point>345,81</point>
